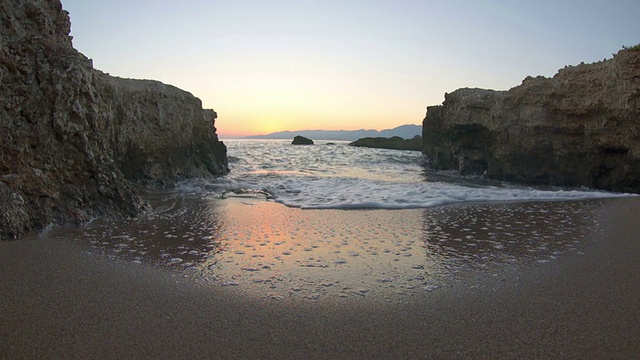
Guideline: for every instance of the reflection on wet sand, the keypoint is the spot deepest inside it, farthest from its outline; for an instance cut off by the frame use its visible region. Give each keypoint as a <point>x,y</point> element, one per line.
<point>483,235</point>
<point>279,252</point>
<point>265,249</point>
<point>180,233</point>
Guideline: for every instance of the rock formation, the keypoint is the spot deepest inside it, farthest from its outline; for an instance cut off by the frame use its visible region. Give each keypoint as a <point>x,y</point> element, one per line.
<point>73,140</point>
<point>393,143</point>
<point>301,140</point>
<point>579,128</point>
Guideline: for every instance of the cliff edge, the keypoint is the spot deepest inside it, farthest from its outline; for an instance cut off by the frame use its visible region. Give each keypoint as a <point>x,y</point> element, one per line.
<point>74,141</point>
<point>579,128</point>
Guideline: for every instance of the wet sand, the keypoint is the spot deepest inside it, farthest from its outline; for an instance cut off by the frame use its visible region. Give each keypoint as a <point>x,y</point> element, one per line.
<point>61,299</point>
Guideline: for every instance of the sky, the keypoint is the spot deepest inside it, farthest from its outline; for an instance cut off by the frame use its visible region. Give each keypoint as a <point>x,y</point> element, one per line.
<point>274,65</point>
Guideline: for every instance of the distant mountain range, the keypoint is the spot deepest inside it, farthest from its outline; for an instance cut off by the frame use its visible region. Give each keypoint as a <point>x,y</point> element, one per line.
<point>403,131</point>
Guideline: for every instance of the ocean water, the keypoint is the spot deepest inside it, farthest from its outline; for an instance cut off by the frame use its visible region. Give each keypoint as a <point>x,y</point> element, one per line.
<point>374,224</point>
<point>333,175</point>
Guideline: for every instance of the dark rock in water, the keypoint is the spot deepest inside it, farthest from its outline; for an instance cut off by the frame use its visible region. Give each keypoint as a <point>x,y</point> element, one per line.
<point>74,141</point>
<point>395,143</point>
<point>579,128</point>
<point>301,140</point>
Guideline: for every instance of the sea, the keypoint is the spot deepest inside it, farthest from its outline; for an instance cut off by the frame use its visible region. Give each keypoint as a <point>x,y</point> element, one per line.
<point>334,175</point>
<point>332,222</point>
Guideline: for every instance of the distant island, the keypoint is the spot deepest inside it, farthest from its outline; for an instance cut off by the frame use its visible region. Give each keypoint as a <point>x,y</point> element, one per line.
<point>403,131</point>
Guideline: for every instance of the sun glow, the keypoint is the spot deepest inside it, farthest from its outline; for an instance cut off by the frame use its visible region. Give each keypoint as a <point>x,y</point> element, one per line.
<point>294,65</point>
<point>268,126</point>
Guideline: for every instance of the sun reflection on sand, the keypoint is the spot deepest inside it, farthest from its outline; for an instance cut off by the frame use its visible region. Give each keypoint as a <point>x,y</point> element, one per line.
<point>266,250</point>
<point>278,252</point>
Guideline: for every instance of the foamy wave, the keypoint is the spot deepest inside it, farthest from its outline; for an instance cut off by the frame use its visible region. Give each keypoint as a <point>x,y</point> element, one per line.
<point>340,193</point>
<point>346,177</point>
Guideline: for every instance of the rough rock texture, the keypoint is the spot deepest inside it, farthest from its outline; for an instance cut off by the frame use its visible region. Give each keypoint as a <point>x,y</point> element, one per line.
<point>301,140</point>
<point>73,140</point>
<point>159,134</point>
<point>579,128</point>
<point>393,143</point>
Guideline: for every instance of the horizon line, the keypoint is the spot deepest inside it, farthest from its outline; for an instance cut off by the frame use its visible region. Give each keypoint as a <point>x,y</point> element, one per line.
<point>237,135</point>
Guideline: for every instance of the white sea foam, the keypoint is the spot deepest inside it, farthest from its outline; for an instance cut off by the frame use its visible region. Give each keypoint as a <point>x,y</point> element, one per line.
<point>340,193</point>
<point>345,177</point>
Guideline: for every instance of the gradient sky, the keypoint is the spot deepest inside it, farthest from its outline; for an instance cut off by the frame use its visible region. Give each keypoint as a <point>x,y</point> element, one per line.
<point>275,65</point>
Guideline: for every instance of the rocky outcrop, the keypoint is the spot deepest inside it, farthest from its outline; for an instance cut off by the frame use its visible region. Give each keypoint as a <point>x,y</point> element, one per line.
<point>579,128</point>
<point>159,134</point>
<point>75,141</point>
<point>301,140</point>
<point>393,143</point>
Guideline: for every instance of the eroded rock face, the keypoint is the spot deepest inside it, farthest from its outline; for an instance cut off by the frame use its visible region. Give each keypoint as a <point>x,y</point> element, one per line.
<point>73,139</point>
<point>579,128</point>
<point>159,134</point>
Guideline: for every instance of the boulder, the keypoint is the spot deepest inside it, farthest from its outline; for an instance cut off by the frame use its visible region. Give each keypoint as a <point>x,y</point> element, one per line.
<point>74,141</point>
<point>579,128</point>
<point>301,140</point>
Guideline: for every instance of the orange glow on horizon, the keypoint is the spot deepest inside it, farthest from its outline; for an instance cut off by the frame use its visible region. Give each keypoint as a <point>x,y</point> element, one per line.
<point>248,124</point>
<point>248,128</point>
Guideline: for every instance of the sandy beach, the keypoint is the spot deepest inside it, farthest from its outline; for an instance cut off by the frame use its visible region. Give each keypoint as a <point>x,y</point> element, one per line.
<point>62,299</point>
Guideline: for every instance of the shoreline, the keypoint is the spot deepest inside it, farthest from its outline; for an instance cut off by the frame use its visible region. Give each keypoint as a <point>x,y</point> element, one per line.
<point>60,300</point>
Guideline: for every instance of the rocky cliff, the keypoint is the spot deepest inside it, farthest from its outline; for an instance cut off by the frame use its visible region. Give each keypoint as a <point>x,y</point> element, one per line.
<point>75,141</point>
<point>579,128</point>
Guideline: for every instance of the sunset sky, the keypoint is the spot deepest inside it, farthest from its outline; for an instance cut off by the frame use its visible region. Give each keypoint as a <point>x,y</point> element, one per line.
<point>267,66</point>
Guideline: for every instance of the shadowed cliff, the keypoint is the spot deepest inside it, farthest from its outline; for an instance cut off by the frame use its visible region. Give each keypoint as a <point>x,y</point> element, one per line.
<point>74,140</point>
<point>579,128</point>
